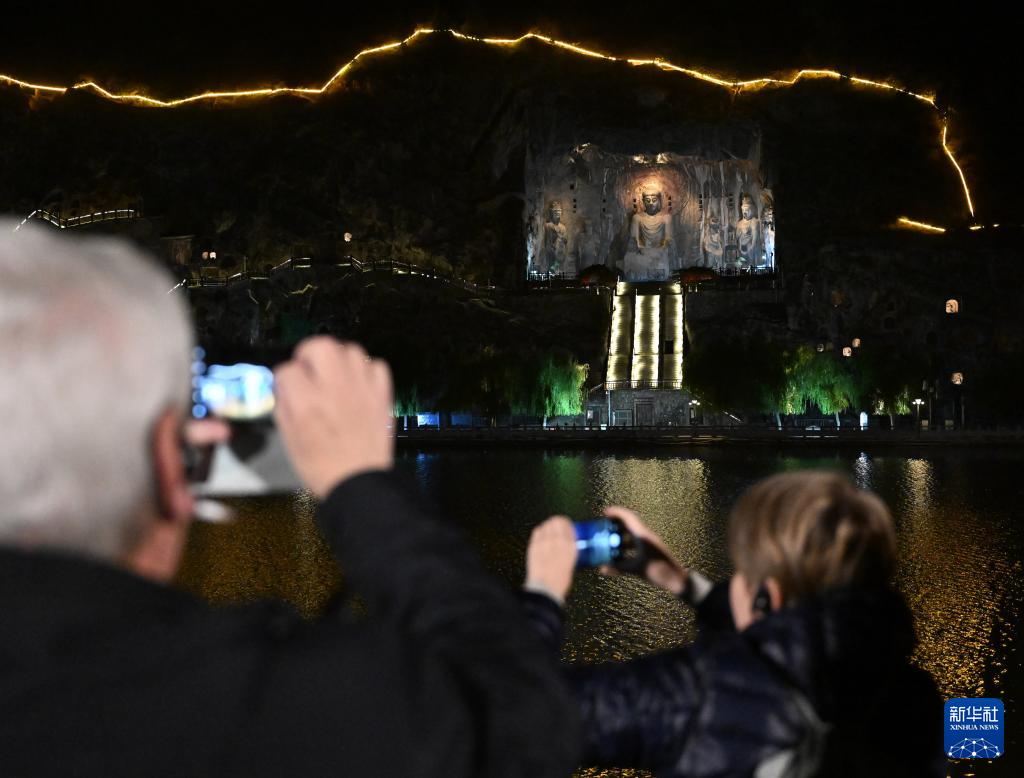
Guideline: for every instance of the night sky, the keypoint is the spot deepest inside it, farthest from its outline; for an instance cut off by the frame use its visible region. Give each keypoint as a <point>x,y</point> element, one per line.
<point>970,60</point>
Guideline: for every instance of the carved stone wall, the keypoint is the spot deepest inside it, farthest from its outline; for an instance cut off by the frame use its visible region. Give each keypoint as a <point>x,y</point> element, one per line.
<point>601,192</point>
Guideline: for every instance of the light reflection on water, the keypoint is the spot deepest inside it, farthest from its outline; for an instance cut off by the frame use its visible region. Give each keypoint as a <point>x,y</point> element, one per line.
<point>956,513</point>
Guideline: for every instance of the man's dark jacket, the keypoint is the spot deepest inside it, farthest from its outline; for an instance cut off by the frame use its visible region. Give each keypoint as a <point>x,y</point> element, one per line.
<point>822,688</point>
<point>103,673</point>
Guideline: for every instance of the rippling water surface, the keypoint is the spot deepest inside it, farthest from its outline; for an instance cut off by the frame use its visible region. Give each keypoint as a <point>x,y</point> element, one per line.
<point>958,516</point>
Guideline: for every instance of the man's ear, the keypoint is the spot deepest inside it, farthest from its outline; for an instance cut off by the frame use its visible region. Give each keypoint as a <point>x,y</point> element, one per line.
<point>771,585</point>
<point>174,501</point>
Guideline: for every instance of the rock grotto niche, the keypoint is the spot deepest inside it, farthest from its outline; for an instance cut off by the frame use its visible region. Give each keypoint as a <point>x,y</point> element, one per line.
<point>647,216</point>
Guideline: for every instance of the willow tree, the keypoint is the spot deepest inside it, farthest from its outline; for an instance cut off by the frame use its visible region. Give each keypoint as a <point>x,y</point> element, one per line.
<point>547,383</point>
<point>821,380</point>
<point>552,385</point>
<point>561,383</point>
<point>407,401</point>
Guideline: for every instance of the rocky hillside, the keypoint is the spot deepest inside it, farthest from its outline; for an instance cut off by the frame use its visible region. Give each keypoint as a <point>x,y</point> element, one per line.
<point>421,154</point>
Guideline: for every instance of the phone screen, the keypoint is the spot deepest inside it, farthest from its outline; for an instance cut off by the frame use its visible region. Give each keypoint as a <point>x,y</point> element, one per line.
<point>238,392</point>
<point>599,541</point>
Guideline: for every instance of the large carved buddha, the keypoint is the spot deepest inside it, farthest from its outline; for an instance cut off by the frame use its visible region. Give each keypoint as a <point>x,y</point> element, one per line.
<point>651,239</point>
<point>651,228</point>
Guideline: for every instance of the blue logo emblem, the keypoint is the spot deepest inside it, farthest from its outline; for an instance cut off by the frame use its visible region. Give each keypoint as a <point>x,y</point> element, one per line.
<point>974,728</point>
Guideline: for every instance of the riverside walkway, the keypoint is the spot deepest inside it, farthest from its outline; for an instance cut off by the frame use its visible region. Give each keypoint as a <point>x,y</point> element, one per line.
<point>700,436</point>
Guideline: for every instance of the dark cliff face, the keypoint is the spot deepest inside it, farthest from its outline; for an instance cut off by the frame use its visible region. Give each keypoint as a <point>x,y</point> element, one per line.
<point>887,297</point>
<point>445,343</point>
<point>421,153</point>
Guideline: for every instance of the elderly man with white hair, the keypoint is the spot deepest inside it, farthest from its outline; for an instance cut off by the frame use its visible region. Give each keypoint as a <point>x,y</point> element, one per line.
<point>106,669</point>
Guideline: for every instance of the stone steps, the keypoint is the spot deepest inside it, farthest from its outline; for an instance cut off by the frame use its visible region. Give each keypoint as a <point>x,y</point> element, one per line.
<point>620,343</point>
<point>646,340</point>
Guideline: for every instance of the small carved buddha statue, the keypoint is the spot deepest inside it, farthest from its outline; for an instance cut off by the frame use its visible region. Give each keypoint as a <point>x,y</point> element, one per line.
<point>713,243</point>
<point>556,239</point>
<point>748,232</point>
<point>768,235</point>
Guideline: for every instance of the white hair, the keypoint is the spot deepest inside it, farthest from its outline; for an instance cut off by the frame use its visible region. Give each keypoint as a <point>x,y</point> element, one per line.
<point>92,350</point>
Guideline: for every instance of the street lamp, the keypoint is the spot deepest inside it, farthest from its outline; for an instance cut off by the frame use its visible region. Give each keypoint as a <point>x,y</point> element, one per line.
<point>694,404</point>
<point>917,407</point>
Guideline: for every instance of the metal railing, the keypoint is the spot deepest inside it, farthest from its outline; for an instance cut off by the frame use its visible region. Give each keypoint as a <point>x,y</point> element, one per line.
<point>701,433</point>
<point>639,384</point>
<point>55,219</point>
<point>408,268</point>
<point>346,263</point>
<point>675,275</point>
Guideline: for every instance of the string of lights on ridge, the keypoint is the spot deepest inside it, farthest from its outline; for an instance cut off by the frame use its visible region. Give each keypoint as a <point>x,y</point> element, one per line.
<point>146,100</point>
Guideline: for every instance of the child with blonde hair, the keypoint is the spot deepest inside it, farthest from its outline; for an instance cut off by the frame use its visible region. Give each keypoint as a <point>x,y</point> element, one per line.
<point>801,667</point>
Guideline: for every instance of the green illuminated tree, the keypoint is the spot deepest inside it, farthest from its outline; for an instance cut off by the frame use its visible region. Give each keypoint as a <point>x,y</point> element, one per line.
<point>560,381</point>
<point>821,380</point>
<point>756,375</point>
<point>407,401</point>
<point>550,384</point>
<point>499,383</point>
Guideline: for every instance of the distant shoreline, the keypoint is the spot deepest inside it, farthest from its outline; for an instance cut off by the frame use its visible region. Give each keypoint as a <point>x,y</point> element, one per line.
<point>568,437</point>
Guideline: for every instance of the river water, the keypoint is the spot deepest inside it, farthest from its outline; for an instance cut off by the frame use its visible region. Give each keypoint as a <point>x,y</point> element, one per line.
<point>957,512</point>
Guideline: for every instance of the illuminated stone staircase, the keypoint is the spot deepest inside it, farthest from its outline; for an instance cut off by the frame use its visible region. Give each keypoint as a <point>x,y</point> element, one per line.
<point>645,343</point>
<point>620,344</point>
<point>646,340</point>
<point>670,375</point>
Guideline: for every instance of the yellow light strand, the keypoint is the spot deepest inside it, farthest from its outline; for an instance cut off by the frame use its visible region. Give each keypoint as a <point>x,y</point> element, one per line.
<point>963,179</point>
<point>26,85</point>
<point>930,99</point>
<point>904,221</point>
<point>152,101</point>
<point>657,62</point>
<point>146,100</point>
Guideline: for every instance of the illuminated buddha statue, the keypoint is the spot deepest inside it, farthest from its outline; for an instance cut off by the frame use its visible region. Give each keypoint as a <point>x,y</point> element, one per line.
<point>748,233</point>
<point>651,228</point>
<point>768,235</point>
<point>556,240</point>
<point>649,253</point>
<point>713,243</point>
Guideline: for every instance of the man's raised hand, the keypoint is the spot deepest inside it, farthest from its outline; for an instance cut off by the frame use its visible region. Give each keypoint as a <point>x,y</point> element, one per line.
<point>335,410</point>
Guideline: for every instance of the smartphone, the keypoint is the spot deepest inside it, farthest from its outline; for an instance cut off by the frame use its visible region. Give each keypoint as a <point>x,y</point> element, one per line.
<point>237,392</point>
<point>601,541</point>
<point>254,461</point>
